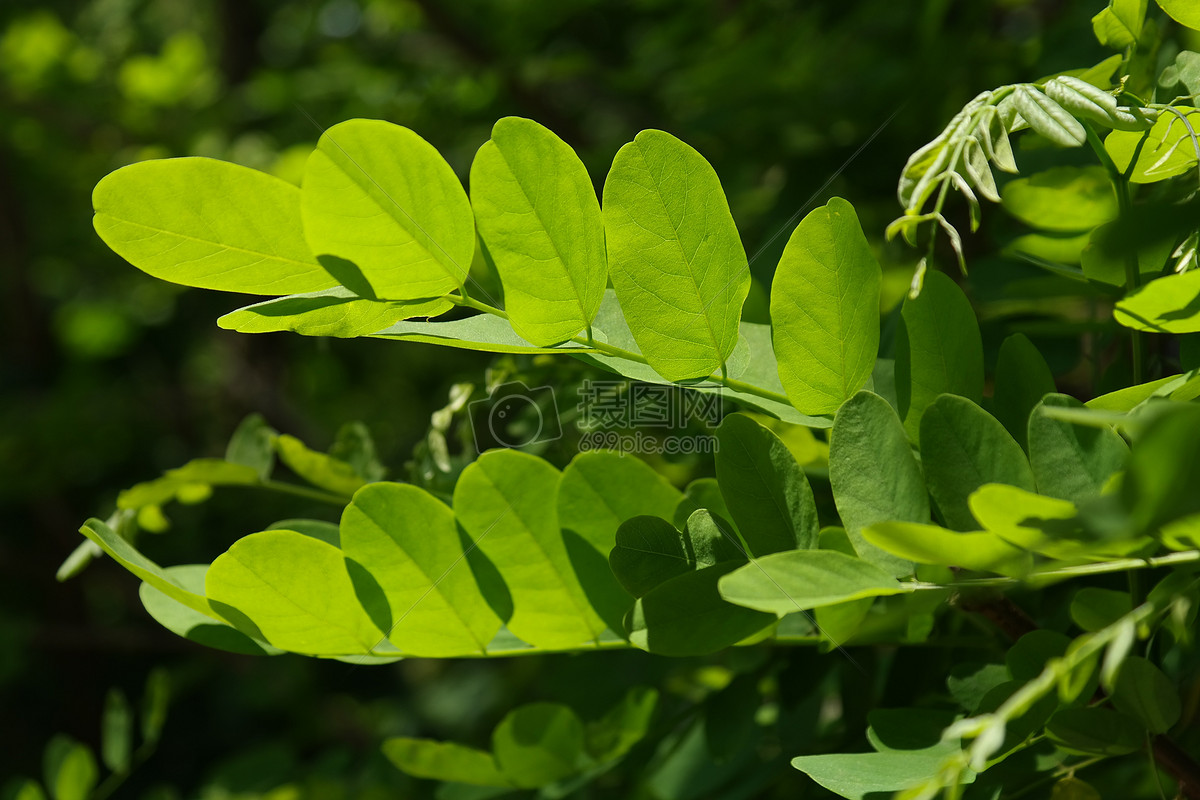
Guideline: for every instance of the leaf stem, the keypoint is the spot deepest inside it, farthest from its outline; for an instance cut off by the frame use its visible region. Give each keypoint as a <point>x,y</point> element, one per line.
<point>1120,185</point>
<point>305,492</point>
<point>1099,568</point>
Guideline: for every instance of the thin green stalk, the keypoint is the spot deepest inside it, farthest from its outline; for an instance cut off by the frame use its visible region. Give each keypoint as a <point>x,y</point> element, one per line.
<point>1099,568</point>
<point>305,492</point>
<point>1120,183</point>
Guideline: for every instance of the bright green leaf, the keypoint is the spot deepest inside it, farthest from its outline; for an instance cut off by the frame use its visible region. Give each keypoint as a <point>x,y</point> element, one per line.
<point>70,769</point>
<point>319,469</point>
<point>764,488</point>
<point>825,309</point>
<point>296,591</point>
<point>484,332</point>
<point>208,224</point>
<point>116,732</point>
<point>336,312</point>
<point>1072,462</point>
<point>505,501</point>
<point>1168,305</point>
<point>874,476</point>
<point>443,761</point>
<point>539,743</point>
<point>938,350</point>
<point>389,210</point>
<point>1062,199</point>
<point>538,215</point>
<point>191,624</point>
<point>963,447</point>
<point>1120,25</point>
<point>408,540</point>
<point>932,544</point>
<point>675,255</point>
<point>1184,12</point>
<point>797,580</point>
<point>1022,378</point>
<point>1168,150</point>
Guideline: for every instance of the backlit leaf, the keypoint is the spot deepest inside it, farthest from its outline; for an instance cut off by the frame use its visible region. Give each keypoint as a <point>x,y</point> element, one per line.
<point>1167,305</point>
<point>1062,199</point>
<point>191,624</point>
<point>932,544</point>
<point>538,214</point>
<point>336,312</point>
<point>484,332</point>
<point>389,210</point>
<point>505,502</point>
<point>317,468</point>
<point>70,769</point>
<point>1182,11</point>
<point>675,255</point>
<point>408,540</point>
<point>825,309</point>
<point>209,224</point>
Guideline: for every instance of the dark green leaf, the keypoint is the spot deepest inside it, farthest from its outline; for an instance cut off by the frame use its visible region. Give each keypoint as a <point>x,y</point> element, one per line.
<point>444,761</point>
<point>251,445</point>
<point>1022,378</point>
<point>1093,608</point>
<point>1095,731</point>
<point>539,743</point>
<point>650,551</point>
<point>1071,462</point>
<point>1145,693</point>
<point>155,699</point>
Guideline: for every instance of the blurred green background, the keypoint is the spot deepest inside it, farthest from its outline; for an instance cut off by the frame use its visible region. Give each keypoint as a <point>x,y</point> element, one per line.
<point>108,376</point>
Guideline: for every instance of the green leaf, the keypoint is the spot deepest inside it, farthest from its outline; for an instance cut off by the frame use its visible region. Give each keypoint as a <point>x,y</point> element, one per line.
<point>390,211</point>
<point>191,624</point>
<point>729,717</point>
<point>131,559</point>
<point>598,491</point>
<point>1182,11</point>
<point>408,540</point>
<point>1167,305</point>
<point>27,789</point>
<point>1022,378</point>
<point>1064,199</point>
<point>539,743</point>
<point>932,544</point>
<point>296,591</point>
<point>938,350</point>
<point>764,488</point>
<point>1185,70</point>
<point>116,732</point>
<point>969,682</point>
<point>443,761</point>
<point>650,551</point>
<point>907,729</point>
<point>1145,693</point>
<point>504,500</point>
<point>1147,233</point>
<point>208,224</point>
<point>1168,150</point>
<point>353,445</point>
<point>874,476</point>
<point>538,215</point>
<point>797,580</point>
<point>155,699</point>
<point>1074,789</point>
<point>1093,608</point>
<point>485,332</point>
<point>701,493</point>
<point>1095,731</point>
<point>864,776</point>
<point>336,312</point>
<point>626,724</point>
<point>1029,655</point>
<point>251,446</point>
<point>962,448</point>
<point>1120,25</point>
<point>1160,478</point>
<point>70,769</point>
<point>675,256</point>
<point>319,469</point>
<point>176,483</point>
<point>825,309</point>
<point>1072,462</point>
<point>686,616</point>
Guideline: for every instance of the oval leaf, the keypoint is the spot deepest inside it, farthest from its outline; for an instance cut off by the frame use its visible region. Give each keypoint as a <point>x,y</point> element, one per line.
<point>676,259</point>
<point>825,309</point>
<point>387,207</point>
<point>209,224</point>
<point>1072,462</point>
<point>538,215</point>
<point>784,583</point>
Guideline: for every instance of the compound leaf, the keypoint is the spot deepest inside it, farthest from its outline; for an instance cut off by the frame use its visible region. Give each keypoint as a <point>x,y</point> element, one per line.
<point>825,309</point>
<point>675,256</point>
<point>538,215</point>
<point>386,212</point>
<point>208,224</point>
